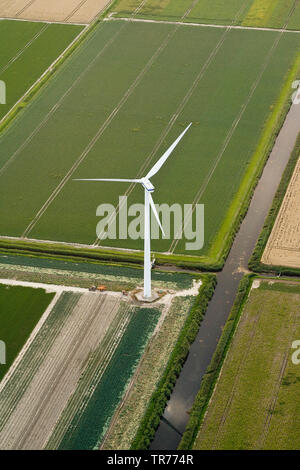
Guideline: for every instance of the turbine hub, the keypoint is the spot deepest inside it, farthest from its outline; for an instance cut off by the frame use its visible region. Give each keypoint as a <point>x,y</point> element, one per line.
<point>147,185</point>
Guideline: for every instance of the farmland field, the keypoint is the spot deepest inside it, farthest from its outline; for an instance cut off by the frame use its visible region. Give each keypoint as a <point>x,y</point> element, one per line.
<point>69,11</point>
<point>259,13</point>
<point>109,112</point>
<point>283,247</point>
<point>77,366</point>
<point>30,48</point>
<point>20,310</point>
<point>255,404</point>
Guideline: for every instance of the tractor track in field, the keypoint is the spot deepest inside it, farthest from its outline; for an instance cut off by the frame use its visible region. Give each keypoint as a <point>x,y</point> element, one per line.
<point>61,99</point>
<point>20,52</point>
<point>52,378</point>
<point>235,382</point>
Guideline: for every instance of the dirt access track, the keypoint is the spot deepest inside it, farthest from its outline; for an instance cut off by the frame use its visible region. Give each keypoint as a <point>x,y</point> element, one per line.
<point>66,11</point>
<point>283,247</point>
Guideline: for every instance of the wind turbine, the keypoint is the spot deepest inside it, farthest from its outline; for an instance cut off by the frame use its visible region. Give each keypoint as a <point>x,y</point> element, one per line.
<point>148,189</point>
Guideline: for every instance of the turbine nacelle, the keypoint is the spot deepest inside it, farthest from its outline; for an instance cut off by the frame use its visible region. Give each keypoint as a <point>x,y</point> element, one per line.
<point>147,185</point>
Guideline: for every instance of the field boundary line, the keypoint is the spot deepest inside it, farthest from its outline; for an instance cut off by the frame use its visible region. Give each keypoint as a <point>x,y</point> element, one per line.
<point>103,127</point>
<point>29,341</point>
<point>49,69</point>
<point>20,52</point>
<point>203,25</point>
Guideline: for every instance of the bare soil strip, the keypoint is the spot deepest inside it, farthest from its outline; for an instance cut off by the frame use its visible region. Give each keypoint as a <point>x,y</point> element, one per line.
<point>283,247</point>
<point>68,11</point>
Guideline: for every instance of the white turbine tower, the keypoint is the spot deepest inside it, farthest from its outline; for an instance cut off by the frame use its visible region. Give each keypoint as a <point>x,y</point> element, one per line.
<point>148,189</point>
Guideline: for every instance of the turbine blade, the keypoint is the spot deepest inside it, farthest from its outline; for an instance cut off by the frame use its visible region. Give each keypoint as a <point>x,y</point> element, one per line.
<point>108,179</point>
<point>162,159</point>
<point>155,212</point>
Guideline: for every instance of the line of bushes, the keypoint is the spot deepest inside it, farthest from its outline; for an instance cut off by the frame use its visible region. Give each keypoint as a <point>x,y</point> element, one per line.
<point>209,379</point>
<point>188,334</point>
<point>255,263</point>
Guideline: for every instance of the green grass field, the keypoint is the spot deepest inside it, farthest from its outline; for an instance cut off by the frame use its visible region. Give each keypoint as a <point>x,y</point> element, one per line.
<point>20,310</point>
<point>106,113</point>
<point>256,401</point>
<point>29,50</point>
<point>259,13</point>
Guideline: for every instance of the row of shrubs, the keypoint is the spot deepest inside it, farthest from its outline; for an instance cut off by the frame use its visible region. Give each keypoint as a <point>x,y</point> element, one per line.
<point>255,263</point>
<point>209,379</point>
<point>188,334</point>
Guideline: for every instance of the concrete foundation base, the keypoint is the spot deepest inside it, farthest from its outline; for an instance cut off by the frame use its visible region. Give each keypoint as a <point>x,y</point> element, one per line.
<point>140,297</point>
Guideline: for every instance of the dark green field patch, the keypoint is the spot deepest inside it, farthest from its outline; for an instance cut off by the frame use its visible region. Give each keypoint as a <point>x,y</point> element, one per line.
<point>20,310</point>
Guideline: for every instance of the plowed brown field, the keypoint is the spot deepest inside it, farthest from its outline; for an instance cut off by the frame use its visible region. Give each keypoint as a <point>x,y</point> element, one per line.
<point>283,247</point>
<point>69,11</point>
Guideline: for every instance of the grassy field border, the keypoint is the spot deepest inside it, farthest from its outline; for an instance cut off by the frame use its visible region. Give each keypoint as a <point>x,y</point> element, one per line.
<point>175,363</point>
<point>210,378</point>
<point>255,263</point>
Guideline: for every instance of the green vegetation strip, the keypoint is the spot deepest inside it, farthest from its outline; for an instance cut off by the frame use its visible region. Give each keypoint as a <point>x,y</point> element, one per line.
<point>20,310</point>
<point>255,263</point>
<point>188,334</point>
<point>87,432</point>
<point>256,404</point>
